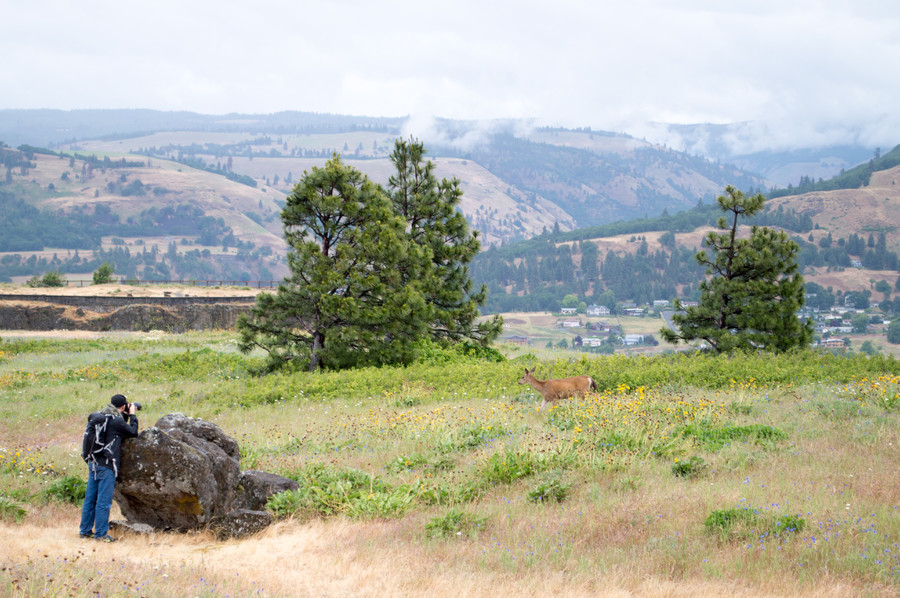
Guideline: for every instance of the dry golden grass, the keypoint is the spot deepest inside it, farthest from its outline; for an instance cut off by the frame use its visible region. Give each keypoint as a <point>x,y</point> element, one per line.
<point>339,558</point>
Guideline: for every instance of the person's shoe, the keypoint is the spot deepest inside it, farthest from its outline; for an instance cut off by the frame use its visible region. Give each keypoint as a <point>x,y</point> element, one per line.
<point>86,536</point>
<point>105,538</point>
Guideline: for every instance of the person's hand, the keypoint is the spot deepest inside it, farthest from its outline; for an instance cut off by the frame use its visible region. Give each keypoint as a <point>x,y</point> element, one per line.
<point>132,409</point>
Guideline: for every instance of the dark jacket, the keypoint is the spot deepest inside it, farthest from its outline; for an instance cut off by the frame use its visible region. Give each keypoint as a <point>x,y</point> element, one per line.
<point>103,435</point>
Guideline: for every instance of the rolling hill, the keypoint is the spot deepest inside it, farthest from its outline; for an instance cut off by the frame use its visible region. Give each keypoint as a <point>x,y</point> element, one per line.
<point>847,236</point>
<point>181,195</point>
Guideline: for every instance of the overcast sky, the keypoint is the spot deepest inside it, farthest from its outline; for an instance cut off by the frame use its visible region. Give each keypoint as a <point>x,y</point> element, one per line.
<point>812,71</point>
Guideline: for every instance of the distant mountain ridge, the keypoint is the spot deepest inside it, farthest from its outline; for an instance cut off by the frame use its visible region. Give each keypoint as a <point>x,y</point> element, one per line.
<point>51,128</point>
<point>533,179</point>
<point>236,169</point>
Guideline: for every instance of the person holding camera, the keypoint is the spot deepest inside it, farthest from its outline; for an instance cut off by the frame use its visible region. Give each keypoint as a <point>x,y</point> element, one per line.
<point>101,449</point>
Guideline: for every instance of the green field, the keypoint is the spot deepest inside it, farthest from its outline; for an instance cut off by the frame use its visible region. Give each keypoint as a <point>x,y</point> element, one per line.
<point>685,474</point>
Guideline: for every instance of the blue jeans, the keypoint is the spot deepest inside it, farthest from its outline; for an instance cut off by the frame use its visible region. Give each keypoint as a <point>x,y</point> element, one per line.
<point>97,501</point>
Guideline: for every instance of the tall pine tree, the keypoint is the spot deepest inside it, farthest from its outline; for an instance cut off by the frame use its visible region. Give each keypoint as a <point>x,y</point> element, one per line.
<point>754,292</point>
<point>373,271</point>
<point>346,302</point>
<point>443,247</point>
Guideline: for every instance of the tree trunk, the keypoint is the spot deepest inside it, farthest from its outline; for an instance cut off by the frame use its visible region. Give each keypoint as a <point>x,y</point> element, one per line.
<point>318,344</point>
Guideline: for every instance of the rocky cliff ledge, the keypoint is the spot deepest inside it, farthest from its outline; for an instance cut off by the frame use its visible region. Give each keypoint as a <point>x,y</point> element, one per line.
<point>99,313</point>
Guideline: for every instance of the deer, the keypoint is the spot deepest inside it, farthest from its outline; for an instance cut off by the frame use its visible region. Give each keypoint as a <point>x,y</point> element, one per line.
<point>561,388</point>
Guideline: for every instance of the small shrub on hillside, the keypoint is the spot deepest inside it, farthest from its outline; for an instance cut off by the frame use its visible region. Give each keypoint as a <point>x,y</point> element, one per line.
<point>731,522</point>
<point>507,467</point>
<point>285,504</point>
<point>790,524</point>
<point>434,493</point>
<point>742,523</point>
<point>70,489</point>
<point>628,484</point>
<point>250,456</point>
<point>50,279</point>
<point>324,492</point>
<point>455,523</point>
<point>549,490</point>
<point>104,274</point>
<point>691,468</point>
<point>11,510</point>
<point>562,418</point>
<point>841,409</point>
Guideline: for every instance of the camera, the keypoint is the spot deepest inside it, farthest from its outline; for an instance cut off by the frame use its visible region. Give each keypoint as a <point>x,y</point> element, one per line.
<point>137,407</point>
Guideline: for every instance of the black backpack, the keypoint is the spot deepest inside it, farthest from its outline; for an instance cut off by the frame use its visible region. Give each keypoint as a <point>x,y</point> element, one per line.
<point>94,448</point>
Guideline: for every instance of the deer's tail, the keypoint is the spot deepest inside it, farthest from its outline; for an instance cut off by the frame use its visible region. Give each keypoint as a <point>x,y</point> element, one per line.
<point>593,385</point>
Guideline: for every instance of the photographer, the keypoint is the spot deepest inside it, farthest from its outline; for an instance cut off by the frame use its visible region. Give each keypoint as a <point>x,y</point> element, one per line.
<point>101,449</point>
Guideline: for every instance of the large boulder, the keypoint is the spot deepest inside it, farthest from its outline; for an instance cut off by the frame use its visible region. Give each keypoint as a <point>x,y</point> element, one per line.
<point>255,488</point>
<point>240,523</point>
<point>184,474</point>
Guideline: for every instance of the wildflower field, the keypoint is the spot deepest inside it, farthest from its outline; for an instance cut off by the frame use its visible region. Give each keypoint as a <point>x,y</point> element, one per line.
<point>685,474</point>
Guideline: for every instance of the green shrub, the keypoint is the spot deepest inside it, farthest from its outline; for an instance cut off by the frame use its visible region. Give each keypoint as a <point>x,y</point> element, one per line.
<point>69,489</point>
<point>730,522</point>
<point>455,523</point>
<point>430,352</point>
<point>741,523</point>
<point>435,493</point>
<point>549,490</point>
<point>508,466</point>
<point>104,274</point>
<point>789,524</point>
<point>53,279</point>
<point>325,492</point>
<point>692,468</point>
<point>11,510</point>
<point>285,504</point>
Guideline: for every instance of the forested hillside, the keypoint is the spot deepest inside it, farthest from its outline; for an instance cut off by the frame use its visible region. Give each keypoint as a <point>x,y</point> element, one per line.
<point>72,212</point>
<point>182,196</point>
<point>847,247</point>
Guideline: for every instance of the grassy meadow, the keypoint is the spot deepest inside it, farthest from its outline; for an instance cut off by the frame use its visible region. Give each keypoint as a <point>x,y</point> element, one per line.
<point>683,475</point>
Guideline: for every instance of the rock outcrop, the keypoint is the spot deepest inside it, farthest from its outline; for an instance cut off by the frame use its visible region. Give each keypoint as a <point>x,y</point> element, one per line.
<point>184,474</point>
<point>135,314</point>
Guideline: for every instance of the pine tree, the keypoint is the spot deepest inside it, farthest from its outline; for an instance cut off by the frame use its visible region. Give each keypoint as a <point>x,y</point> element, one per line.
<point>754,292</point>
<point>373,271</point>
<point>443,246</point>
<point>345,302</point>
